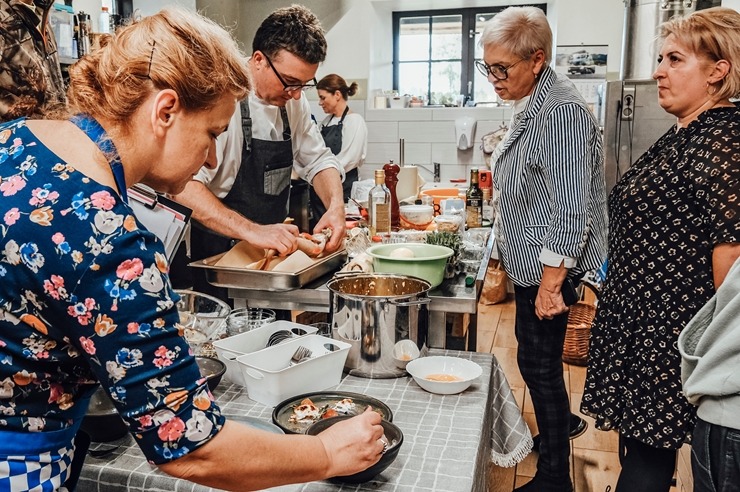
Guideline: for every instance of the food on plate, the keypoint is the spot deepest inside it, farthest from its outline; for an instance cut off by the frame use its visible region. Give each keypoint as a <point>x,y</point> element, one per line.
<point>444,378</point>
<point>307,412</point>
<point>345,406</point>
<point>342,402</point>
<point>402,253</point>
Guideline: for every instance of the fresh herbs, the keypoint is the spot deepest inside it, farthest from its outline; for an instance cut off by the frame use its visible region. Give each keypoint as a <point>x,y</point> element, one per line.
<point>450,239</point>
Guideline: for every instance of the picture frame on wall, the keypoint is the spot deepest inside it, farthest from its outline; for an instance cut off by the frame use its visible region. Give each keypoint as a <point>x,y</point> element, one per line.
<point>582,61</point>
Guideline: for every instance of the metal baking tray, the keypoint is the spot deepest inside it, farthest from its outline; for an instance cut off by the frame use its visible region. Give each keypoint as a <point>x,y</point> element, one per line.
<point>241,278</point>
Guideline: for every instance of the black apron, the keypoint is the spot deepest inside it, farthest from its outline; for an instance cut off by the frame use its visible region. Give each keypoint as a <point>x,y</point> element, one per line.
<point>333,140</point>
<point>333,134</point>
<point>260,192</point>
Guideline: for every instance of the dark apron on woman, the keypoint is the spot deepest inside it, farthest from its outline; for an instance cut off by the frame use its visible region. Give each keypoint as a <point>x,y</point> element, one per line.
<point>332,139</point>
<point>260,192</point>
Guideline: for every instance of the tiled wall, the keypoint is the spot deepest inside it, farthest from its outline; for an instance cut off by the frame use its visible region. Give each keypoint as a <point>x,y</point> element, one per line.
<point>429,136</point>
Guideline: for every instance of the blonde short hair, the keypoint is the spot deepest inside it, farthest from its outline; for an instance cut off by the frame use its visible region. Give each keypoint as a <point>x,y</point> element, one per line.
<point>173,49</point>
<point>712,34</point>
<point>521,30</point>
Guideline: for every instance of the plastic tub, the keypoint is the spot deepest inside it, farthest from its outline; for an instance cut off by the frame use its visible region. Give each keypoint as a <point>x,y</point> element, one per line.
<point>228,349</point>
<point>272,377</point>
<point>439,194</point>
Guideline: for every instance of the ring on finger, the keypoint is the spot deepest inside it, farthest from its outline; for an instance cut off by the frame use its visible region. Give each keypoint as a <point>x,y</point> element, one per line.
<point>385,444</point>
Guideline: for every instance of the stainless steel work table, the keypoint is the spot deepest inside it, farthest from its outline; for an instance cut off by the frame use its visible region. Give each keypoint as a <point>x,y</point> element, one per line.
<point>451,296</point>
<point>449,441</point>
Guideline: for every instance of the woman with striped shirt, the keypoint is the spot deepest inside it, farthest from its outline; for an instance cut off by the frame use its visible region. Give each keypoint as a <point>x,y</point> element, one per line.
<point>548,174</point>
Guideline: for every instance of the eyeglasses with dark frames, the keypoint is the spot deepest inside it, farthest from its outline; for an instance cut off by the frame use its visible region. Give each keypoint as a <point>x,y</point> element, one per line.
<point>498,72</point>
<point>289,87</point>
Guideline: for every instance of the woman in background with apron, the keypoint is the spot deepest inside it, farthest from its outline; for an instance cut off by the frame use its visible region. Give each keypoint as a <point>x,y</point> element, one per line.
<point>344,132</point>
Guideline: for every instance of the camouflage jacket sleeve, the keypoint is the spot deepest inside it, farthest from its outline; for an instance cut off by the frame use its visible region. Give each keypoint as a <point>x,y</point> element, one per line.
<point>30,78</point>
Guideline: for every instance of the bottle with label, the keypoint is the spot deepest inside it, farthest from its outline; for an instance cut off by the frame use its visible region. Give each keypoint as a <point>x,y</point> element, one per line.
<point>379,205</point>
<point>82,32</point>
<point>391,180</point>
<point>473,202</point>
<point>487,207</point>
<point>104,21</point>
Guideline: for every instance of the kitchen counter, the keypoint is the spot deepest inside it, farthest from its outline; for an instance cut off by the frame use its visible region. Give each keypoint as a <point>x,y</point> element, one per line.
<point>449,441</point>
<point>451,296</point>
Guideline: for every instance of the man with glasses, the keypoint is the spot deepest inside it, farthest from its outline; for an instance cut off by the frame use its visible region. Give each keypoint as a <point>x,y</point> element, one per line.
<point>246,197</point>
<point>30,78</point>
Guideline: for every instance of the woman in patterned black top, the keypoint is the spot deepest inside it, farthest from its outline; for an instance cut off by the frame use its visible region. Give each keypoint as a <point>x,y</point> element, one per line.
<point>674,232</point>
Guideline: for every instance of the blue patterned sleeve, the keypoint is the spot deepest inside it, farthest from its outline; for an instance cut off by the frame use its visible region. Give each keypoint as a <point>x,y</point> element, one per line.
<point>127,326</point>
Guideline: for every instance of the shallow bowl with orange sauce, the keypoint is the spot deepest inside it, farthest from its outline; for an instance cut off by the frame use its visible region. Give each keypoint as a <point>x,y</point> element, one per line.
<point>444,375</point>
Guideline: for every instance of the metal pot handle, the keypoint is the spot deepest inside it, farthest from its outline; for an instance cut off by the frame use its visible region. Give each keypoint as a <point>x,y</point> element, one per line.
<point>418,302</point>
<point>348,273</point>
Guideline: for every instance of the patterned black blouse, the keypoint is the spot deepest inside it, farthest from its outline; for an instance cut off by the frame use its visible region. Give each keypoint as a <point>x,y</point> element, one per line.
<point>679,200</point>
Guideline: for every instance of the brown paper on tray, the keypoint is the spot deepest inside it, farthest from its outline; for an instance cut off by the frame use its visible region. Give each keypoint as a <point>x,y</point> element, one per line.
<point>494,285</point>
<point>241,255</point>
<point>244,255</point>
<point>293,263</point>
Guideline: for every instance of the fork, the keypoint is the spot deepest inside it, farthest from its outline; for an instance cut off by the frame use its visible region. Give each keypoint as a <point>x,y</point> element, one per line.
<point>300,354</point>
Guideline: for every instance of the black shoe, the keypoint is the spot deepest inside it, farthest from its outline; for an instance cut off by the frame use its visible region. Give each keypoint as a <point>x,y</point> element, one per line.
<point>538,484</point>
<point>577,427</point>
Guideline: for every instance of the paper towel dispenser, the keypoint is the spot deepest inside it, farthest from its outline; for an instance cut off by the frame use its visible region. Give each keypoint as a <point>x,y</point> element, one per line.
<point>464,132</point>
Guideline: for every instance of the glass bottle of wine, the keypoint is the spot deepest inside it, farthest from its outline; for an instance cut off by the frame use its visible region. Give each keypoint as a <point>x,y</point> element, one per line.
<point>379,205</point>
<point>473,202</point>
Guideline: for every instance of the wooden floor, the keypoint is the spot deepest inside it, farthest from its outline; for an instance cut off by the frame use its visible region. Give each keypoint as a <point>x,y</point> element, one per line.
<point>594,458</point>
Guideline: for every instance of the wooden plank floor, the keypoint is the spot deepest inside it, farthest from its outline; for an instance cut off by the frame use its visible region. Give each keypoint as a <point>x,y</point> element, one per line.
<point>594,458</point>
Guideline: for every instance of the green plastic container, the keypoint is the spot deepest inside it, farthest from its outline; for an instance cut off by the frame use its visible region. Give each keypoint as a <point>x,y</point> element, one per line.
<point>428,262</point>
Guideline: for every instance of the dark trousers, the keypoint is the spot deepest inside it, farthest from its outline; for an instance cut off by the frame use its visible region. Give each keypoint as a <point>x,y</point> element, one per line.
<point>539,356</point>
<point>715,458</point>
<point>82,444</point>
<point>645,468</point>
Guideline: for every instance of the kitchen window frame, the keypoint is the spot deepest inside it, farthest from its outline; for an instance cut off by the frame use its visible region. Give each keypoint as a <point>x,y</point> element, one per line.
<point>467,55</point>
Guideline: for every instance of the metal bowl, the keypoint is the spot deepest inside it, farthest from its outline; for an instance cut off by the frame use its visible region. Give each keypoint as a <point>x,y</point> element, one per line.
<point>212,369</point>
<point>102,421</point>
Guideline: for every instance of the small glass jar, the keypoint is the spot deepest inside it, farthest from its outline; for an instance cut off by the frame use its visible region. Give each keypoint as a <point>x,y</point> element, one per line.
<point>246,319</point>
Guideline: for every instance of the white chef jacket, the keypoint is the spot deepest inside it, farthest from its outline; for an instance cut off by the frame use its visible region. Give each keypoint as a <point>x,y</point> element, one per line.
<point>310,154</point>
<point>354,140</point>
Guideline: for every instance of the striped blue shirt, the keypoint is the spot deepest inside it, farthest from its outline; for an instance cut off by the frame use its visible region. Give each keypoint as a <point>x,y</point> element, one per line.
<point>550,189</point>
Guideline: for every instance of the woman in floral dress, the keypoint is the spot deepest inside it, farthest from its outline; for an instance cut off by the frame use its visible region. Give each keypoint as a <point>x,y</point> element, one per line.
<point>85,298</point>
<point>674,232</point>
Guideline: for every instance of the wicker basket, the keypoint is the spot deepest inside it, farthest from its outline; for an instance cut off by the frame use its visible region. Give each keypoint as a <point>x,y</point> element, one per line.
<point>575,347</point>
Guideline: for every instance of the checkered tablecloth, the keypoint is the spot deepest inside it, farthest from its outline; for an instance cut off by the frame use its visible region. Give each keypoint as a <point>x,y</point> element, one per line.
<point>449,440</point>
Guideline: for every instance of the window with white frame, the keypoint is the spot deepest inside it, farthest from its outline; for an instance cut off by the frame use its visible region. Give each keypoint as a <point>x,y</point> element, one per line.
<point>434,54</point>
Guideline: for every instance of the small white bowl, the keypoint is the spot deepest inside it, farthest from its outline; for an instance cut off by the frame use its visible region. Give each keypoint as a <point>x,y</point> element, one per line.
<point>404,352</point>
<point>462,370</point>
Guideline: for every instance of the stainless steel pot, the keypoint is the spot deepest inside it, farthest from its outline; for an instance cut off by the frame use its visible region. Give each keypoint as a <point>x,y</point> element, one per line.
<point>375,313</point>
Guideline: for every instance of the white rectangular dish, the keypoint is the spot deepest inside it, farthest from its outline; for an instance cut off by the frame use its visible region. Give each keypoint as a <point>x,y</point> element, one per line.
<point>271,376</point>
<point>228,349</point>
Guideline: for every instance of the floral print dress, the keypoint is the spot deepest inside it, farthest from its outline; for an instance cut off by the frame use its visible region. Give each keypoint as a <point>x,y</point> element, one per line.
<point>668,212</point>
<point>85,298</point>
